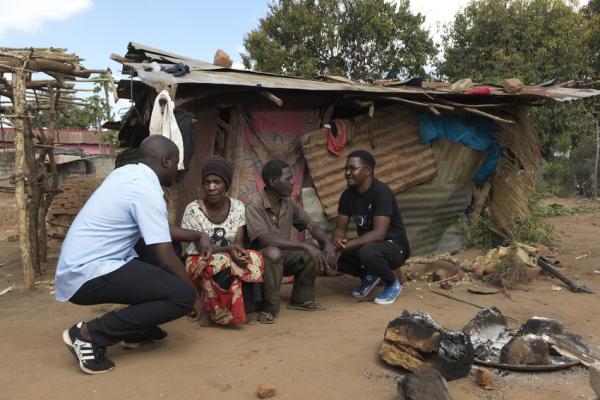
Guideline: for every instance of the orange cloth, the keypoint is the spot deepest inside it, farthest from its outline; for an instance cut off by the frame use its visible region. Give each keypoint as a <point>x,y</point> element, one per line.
<point>336,144</point>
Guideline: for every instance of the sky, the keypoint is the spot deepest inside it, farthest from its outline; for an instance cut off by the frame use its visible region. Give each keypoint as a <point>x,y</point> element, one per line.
<point>197,28</point>
<point>93,29</point>
<point>96,28</point>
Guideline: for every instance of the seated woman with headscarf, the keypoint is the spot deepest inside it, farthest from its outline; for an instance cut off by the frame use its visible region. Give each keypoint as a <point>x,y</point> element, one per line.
<point>219,278</point>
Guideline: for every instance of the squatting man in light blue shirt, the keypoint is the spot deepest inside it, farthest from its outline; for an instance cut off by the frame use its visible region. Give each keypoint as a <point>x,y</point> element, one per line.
<point>98,264</point>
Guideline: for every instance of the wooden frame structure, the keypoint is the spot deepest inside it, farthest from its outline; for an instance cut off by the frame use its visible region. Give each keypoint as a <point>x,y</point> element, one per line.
<point>35,181</point>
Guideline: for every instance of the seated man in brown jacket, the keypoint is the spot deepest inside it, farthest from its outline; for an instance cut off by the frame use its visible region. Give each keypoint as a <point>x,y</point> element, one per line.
<point>270,216</point>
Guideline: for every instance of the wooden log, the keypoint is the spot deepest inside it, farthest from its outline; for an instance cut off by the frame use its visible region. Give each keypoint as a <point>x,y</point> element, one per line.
<point>595,378</point>
<point>488,115</point>
<point>414,341</point>
<point>28,49</point>
<point>272,98</point>
<point>48,82</point>
<point>113,87</point>
<point>480,195</point>
<point>118,58</point>
<point>435,258</point>
<point>22,171</point>
<point>418,103</point>
<point>43,65</point>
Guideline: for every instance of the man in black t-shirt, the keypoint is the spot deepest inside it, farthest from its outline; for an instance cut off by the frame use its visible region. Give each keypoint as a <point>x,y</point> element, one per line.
<point>381,245</point>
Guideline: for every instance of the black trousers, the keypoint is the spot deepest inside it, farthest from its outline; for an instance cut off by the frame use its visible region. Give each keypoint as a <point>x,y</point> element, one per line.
<point>376,258</point>
<point>154,297</point>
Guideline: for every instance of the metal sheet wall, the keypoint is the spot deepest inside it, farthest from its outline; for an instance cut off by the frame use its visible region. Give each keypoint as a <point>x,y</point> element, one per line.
<point>402,161</point>
<point>429,210</point>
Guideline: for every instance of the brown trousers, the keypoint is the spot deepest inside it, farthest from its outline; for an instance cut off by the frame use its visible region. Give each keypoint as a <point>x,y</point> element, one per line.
<point>293,262</point>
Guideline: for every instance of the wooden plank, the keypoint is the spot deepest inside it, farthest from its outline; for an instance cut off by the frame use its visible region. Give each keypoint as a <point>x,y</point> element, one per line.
<point>206,131</point>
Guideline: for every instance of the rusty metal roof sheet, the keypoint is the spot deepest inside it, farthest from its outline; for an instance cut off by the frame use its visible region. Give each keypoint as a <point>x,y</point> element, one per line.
<point>402,161</point>
<point>204,73</point>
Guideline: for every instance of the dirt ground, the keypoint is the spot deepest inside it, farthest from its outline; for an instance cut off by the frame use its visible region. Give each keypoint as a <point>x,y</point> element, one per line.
<point>324,355</point>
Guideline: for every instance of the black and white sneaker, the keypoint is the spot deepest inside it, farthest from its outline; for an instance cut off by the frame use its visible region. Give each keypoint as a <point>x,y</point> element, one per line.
<point>92,359</point>
<point>152,335</point>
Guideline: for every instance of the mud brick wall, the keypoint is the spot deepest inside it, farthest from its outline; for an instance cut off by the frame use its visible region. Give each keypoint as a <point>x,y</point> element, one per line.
<point>66,204</point>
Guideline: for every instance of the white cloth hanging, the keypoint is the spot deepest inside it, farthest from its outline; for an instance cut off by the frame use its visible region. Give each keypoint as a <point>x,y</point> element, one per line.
<point>163,122</point>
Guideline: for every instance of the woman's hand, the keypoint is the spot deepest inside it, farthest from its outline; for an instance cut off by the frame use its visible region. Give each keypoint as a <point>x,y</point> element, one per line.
<point>239,256</point>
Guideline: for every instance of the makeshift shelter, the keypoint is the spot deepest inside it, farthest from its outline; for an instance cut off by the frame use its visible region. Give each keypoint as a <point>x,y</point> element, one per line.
<point>430,139</point>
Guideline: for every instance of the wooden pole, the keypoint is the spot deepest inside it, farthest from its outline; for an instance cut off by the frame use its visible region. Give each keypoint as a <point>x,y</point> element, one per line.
<point>22,173</point>
<point>49,189</point>
<point>595,181</point>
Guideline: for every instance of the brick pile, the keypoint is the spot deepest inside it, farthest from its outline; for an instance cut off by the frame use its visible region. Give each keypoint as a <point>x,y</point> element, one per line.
<point>66,204</point>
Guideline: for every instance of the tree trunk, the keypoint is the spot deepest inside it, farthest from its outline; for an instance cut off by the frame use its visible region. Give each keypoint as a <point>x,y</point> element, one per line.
<point>22,174</point>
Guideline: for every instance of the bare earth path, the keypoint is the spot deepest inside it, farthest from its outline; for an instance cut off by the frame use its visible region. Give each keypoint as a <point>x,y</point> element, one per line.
<point>325,355</point>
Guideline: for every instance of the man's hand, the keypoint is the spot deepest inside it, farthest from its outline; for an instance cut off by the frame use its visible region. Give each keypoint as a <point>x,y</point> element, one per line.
<point>205,247</point>
<point>239,256</point>
<point>316,255</point>
<point>196,313</point>
<point>329,252</point>
<point>339,244</point>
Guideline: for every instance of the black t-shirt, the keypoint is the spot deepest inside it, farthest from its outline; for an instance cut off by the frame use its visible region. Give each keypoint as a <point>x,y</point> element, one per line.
<point>377,201</point>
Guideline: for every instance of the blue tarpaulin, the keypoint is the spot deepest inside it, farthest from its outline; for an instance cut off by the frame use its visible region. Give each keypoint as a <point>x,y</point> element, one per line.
<point>470,131</point>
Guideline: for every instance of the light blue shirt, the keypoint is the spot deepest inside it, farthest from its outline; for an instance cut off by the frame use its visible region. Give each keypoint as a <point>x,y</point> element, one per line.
<point>128,205</point>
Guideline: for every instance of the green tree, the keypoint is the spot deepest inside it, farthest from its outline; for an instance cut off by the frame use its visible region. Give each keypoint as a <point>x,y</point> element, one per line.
<point>359,39</point>
<point>592,13</point>
<point>533,40</point>
<point>89,116</point>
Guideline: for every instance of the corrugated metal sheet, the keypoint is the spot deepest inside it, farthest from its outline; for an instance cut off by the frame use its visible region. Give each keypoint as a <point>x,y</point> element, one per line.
<point>142,52</point>
<point>432,210</point>
<point>402,161</point>
<point>429,210</point>
<point>228,77</point>
<point>205,73</point>
<point>455,163</point>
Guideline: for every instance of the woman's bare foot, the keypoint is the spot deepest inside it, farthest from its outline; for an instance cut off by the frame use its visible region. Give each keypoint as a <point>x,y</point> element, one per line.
<point>205,321</point>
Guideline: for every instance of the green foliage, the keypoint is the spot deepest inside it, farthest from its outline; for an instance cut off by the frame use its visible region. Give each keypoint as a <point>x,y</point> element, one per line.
<point>90,116</point>
<point>573,160</point>
<point>592,14</point>
<point>561,126</point>
<point>359,39</point>
<point>533,40</point>
<point>534,231</point>
<point>478,235</point>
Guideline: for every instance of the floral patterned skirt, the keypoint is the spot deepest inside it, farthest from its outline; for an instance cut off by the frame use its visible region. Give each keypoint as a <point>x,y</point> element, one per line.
<point>219,280</point>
